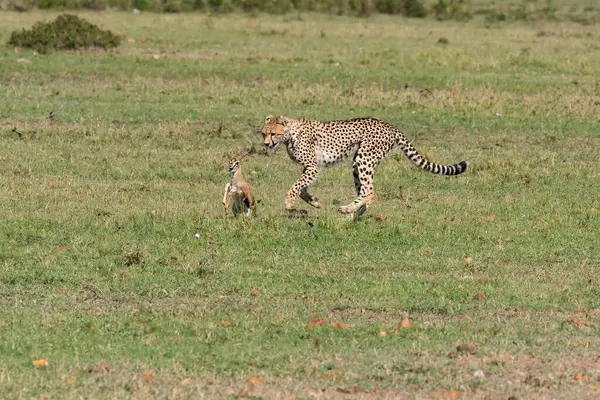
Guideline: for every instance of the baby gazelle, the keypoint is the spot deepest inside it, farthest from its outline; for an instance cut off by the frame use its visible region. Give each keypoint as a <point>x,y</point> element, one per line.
<point>239,191</point>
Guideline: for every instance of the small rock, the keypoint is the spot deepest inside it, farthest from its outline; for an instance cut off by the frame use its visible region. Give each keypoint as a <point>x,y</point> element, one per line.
<point>479,374</point>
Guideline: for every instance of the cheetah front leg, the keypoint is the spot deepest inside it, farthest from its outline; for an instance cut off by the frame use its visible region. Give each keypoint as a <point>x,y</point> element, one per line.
<point>300,188</point>
<point>309,198</point>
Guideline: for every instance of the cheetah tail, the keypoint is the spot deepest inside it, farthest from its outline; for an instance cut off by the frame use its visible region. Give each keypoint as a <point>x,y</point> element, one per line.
<point>417,159</point>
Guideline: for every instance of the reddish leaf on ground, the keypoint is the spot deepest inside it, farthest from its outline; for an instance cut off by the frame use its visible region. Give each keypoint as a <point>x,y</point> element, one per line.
<point>405,323</point>
<point>468,260</point>
<point>581,378</point>
<point>62,291</point>
<point>491,217</point>
<point>69,379</point>
<point>573,319</point>
<point>62,248</point>
<point>225,323</point>
<point>316,322</point>
<point>381,218</point>
<point>255,380</point>
<point>185,382</point>
<point>40,363</point>
<point>148,375</point>
<point>453,394</point>
<point>461,287</point>
<point>479,297</point>
<point>339,325</point>
<point>255,292</point>
<point>483,280</point>
<point>383,333</point>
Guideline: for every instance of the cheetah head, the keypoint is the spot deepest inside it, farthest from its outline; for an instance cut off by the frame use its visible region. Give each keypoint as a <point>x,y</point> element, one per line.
<point>273,130</point>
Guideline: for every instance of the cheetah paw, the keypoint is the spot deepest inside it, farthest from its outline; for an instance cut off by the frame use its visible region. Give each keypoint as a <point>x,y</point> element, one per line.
<point>349,209</point>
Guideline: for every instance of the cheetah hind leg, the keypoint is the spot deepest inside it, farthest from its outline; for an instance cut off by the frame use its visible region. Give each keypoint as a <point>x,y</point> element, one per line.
<point>359,206</point>
<point>363,183</point>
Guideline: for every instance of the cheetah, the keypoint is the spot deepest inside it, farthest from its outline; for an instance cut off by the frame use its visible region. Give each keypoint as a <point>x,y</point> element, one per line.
<point>317,145</point>
<point>240,191</point>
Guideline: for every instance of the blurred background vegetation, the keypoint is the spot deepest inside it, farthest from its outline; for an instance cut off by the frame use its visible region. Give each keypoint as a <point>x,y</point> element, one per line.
<point>581,11</point>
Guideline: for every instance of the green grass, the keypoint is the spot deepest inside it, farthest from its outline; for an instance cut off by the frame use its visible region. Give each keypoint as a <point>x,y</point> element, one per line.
<point>99,208</point>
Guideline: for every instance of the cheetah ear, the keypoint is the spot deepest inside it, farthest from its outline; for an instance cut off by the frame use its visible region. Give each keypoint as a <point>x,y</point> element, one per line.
<point>281,120</point>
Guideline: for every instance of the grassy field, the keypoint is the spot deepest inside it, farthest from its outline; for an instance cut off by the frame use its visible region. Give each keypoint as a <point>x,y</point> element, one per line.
<point>497,270</point>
